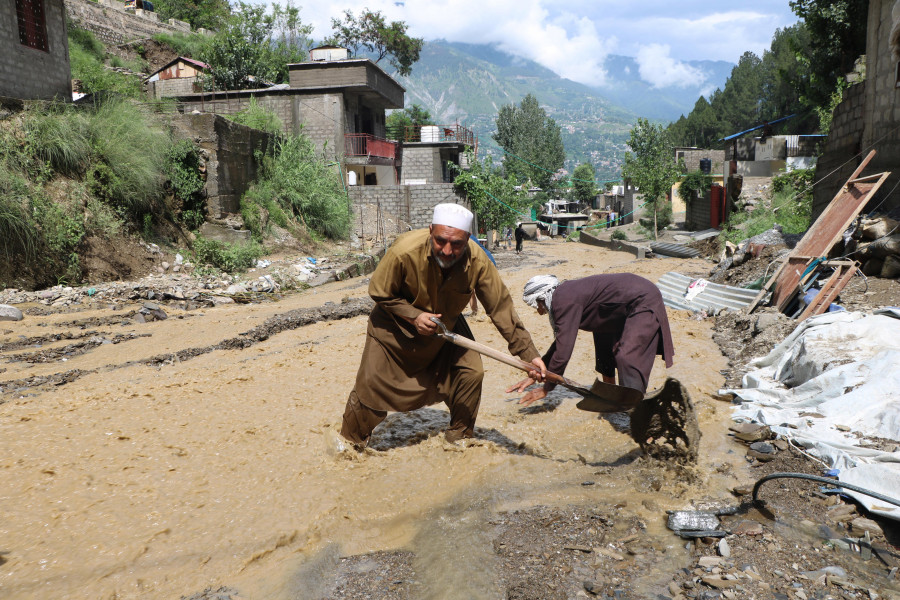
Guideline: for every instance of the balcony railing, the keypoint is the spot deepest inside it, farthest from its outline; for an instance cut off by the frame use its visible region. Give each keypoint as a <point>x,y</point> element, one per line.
<point>363,144</point>
<point>435,133</point>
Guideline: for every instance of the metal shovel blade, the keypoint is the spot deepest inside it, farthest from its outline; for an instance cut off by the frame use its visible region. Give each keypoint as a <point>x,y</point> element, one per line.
<point>608,397</point>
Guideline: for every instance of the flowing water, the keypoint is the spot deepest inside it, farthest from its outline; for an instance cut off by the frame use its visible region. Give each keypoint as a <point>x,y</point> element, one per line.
<point>159,478</point>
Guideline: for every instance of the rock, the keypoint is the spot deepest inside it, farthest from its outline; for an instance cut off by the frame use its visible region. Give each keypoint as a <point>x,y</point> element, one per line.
<point>751,432</point>
<point>10,313</point>
<point>891,268</point>
<point>760,456</point>
<point>724,548</point>
<point>872,267</point>
<point>764,321</point>
<point>717,582</point>
<point>710,561</point>
<point>747,527</point>
<point>742,490</point>
<point>860,525</point>
<point>829,570</point>
<point>217,300</point>
<point>165,265</point>
<point>610,553</point>
<point>763,447</point>
<point>840,510</point>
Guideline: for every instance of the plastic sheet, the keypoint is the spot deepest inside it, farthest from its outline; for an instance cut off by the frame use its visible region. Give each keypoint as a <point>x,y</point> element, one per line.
<point>830,385</point>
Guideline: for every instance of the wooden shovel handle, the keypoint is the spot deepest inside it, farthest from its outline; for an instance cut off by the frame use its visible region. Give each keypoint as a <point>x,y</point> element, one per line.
<point>512,361</point>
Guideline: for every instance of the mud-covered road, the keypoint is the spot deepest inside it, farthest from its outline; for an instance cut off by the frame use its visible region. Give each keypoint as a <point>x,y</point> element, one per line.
<point>161,459</point>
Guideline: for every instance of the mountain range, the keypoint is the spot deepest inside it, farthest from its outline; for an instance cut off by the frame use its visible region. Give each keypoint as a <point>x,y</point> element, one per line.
<point>468,83</point>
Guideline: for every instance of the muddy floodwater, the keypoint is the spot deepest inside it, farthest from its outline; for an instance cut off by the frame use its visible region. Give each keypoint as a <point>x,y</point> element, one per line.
<point>167,463</point>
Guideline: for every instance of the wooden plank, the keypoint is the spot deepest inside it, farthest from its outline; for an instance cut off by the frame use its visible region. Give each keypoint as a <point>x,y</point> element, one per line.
<point>789,280</point>
<point>813,248</point>
<point>825,232</point>
<point>830,290</point>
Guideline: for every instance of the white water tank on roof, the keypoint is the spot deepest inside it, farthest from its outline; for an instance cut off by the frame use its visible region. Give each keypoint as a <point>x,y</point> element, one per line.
<point>430,133</point>
<point>328,53</point>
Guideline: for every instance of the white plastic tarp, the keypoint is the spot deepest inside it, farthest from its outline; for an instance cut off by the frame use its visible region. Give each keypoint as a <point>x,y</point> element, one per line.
<point>830,385</point>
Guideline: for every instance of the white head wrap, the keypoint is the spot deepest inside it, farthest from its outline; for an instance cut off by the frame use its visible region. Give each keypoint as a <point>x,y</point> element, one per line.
<point>452,215</point>
<point>540,287</point>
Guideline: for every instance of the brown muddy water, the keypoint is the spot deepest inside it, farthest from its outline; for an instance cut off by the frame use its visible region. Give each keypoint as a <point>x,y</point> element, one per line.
<point>159,478</point>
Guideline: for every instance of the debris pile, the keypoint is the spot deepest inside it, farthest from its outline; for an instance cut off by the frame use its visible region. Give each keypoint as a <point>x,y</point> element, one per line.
<point>875,243</point>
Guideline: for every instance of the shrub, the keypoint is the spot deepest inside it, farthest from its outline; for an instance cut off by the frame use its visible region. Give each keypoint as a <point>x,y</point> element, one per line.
<point>295,182</point>
<point>797,181</point>
<point>59,135</point>
<point>17,232</point>
<point>190,45</point>
<point>258,117</point>
<point>183,171</point>
<point>230,258</point>
<point>95,77</point>
<point>87,42</point>
<point>130,156</point>
<point>694,183</point>
<point>618,234</point>
<point>788,209</point>
<point>663,215</point>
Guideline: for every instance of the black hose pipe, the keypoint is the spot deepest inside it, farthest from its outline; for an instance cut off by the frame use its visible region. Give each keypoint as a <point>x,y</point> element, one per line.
<point>825,480</point>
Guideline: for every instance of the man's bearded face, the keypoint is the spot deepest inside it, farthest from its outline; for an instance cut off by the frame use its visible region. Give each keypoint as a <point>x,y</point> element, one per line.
<point>448,244</point>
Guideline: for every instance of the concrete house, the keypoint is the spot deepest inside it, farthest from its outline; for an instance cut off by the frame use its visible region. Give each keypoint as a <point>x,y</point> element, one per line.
<point>868,117</point>
<point>340,103</point>
<point>34,50</point>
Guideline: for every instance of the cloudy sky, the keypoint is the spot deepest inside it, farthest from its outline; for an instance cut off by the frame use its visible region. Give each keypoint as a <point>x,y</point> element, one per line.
<point>571,37</point>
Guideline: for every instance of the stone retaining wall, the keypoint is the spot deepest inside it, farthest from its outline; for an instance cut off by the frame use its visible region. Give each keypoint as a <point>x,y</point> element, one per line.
<point>113,25</point>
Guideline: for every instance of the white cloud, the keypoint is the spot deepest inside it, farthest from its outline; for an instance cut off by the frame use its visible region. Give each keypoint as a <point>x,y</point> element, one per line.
<point>573,38</point>
<point>660,70</point>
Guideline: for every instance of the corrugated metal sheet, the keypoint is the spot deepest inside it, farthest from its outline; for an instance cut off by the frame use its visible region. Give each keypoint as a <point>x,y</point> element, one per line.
<point>676,250</point>
<point>713,299</point>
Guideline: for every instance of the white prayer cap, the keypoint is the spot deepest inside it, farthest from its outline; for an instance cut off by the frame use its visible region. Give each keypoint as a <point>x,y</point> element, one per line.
<point>453,215</point>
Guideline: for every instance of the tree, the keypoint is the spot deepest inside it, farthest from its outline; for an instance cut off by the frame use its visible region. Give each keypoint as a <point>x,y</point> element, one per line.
<point>584,190</point>
<point>839,30</point>
<point>399,122</point>
<point>209,14</point>
<point>370,31</point>
<point>532,142</point>
<point>254,48</point>
<point>651,167</point>
<point>493,197</point>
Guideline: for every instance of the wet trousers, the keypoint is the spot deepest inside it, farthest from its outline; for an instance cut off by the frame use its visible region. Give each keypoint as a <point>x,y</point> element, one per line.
<point>463,399</point>
<point>633,355</point>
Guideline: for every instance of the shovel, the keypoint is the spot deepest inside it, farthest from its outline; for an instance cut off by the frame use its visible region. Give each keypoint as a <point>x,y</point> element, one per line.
<point>601,397</point>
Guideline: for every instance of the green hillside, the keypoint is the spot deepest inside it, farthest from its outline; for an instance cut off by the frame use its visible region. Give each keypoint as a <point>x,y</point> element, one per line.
<point>468,84</point>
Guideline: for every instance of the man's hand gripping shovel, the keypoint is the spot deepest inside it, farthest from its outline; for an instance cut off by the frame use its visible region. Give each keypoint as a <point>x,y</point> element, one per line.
<point>601,397</point>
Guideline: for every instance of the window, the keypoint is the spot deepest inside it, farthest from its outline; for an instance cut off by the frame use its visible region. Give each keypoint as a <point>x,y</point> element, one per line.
<point>32,27</point>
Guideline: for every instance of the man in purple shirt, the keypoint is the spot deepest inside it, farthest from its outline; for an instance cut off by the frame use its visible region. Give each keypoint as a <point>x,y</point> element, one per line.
<point>625,314</point>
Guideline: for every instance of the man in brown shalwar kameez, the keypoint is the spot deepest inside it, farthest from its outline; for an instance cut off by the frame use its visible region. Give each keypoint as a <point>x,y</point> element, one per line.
<point>624,312</point>
<point>430,273</point>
